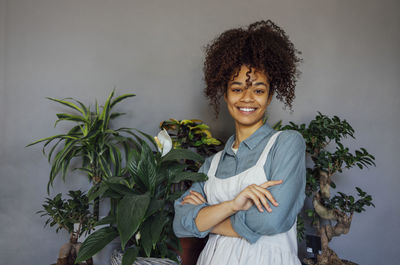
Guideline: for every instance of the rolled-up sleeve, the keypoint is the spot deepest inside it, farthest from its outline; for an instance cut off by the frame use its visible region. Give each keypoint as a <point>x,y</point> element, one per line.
<point>184,220</point>
<point>288,164</point>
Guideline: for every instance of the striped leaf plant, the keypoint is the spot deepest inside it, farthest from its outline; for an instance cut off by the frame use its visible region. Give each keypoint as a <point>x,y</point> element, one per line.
<point>91,141</point>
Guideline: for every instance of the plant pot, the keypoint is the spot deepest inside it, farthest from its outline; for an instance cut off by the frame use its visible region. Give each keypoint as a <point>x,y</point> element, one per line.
<point>313,261</point>
<point>191,249</point>
<point>116,259</point>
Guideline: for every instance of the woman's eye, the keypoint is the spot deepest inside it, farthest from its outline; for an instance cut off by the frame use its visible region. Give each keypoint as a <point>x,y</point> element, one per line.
<point>259,91</point>
<point>236,90</point>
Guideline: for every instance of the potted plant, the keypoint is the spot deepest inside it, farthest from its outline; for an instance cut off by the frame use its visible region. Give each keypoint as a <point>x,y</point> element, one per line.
<point>90,140</point>
<point>321,135</point>
<point>144,199</point>
<point>195,135</point>
<point>64,214</point>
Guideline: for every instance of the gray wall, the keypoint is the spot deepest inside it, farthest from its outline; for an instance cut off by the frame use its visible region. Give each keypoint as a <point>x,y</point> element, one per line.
<point>154,49</point>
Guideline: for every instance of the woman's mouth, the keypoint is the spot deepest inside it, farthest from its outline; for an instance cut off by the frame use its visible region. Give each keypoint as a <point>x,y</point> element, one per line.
<point>246,110</point>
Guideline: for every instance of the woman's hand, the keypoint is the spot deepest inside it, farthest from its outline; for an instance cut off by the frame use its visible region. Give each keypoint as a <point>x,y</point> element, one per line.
<point>193,198</point>
<point>255,194</point>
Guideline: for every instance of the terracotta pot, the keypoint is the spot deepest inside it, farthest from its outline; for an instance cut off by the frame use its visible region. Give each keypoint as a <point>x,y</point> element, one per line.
<point>191,248</point>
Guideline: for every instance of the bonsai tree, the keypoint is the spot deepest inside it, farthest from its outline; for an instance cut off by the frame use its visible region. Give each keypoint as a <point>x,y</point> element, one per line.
<point>91,140</point>
<point>320,136</point>
<point>64,214</point>
<point>144,198</point>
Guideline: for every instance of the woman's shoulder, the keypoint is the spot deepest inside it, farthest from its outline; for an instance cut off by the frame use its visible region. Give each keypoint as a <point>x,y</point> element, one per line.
<point>290,139</point>
<point>207,163</point>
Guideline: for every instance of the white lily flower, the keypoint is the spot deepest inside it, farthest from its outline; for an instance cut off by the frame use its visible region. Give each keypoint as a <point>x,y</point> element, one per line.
<point>164,142</point>
<point>137,237</point>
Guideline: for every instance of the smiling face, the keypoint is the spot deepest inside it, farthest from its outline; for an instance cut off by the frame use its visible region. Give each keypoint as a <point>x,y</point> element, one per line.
<point>247,98</point>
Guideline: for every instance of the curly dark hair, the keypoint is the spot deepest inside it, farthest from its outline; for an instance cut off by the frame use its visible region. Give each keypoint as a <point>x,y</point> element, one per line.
<point>263,46</point>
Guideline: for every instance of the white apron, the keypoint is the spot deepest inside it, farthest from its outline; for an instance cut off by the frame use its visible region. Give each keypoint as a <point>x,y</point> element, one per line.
<point>279,249</point>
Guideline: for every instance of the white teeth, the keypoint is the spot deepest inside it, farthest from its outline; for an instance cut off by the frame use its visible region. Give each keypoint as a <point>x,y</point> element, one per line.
<point>247,109</point>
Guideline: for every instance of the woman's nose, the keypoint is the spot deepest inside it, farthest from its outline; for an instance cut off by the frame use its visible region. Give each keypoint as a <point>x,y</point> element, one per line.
<point>247,96</point>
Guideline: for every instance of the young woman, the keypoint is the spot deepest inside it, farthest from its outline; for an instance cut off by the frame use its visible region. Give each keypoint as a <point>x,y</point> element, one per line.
<point>255,187</point>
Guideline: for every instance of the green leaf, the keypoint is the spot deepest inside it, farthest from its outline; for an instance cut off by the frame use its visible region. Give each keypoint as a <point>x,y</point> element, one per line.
<point>145,238</point>
<point>105,115</point>
<point>333,185</point>
<point>84,108</point>
<point>62,136</point>
<point>116,114</point>
<point>119,188</point>
<point>96,191</point>
<point>130,255</point>
<point>151,232</point>
<point>130,213</point>
<point>148,137</point>
<point>105,166</point>
<point>192,176</point>
<point>68,104</point>
<point>178,154</point>
<point>106,220</point>
<point>157,225</point>
<point>154,206</point>
<point>69,117</point>
<point>120,98</point>
<point>96,242</point>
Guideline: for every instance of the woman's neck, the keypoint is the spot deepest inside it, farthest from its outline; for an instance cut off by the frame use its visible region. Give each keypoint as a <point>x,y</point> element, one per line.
<point>243,132</point>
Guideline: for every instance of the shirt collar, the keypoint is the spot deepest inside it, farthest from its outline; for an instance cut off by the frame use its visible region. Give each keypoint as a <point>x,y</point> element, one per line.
<point>251,142</point>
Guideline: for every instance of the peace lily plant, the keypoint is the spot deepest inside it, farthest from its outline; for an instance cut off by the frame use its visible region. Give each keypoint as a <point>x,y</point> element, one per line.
<point>164,142</point>
<point>144,212</point>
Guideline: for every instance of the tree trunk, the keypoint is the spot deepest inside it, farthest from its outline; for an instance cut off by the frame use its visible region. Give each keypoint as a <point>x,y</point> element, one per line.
<point>69,251</point>
<point>327,232</point>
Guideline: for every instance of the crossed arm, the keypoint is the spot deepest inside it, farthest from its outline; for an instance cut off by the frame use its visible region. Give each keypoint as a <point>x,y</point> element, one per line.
<point>216,217</point>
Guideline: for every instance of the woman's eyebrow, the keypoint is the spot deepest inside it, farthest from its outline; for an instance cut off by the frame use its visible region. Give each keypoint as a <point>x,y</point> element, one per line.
<point>237,83</point>
<point>260,83</point>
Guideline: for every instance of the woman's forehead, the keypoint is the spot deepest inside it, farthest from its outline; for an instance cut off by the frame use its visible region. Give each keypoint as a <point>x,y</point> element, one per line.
<point>249,74</point>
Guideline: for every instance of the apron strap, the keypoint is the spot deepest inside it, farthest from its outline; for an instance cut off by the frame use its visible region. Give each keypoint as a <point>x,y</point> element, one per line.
<point>263,157</point>
<point>214,164</point>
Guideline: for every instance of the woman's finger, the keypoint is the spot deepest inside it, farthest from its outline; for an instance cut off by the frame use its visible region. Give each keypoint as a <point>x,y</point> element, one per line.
<point>252,195</point>
<point>194,198</point>
<point>267,194</point>
<point>271,183</point>
<point>198,195</point>
<point>261,197</point>
<point>190,200</point>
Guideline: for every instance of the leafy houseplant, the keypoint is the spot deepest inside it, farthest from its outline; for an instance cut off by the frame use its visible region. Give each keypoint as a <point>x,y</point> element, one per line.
<point>91,140</point>
<point>144,210</point>
<point>195,135</point>
<point>191,134</point>
<point>319,135</point>
<point>64,214</point>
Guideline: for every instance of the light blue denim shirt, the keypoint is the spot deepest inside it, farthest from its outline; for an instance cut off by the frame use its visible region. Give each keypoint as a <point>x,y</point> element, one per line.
<point>286,161</point>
